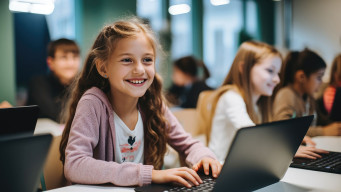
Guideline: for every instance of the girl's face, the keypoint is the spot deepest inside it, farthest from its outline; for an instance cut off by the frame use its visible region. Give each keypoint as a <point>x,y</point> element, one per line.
<point>180,78</point>
<point>313,82</point>
<point>264,76</point>
<point>131,67</point>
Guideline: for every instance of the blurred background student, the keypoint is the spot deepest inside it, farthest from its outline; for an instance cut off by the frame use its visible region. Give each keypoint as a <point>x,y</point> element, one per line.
<point>302,77</point>
<point>187,82</point>
<point>245,98</point>
<point>5,104</point>
<point>48,91</point>
<point>325,103</point>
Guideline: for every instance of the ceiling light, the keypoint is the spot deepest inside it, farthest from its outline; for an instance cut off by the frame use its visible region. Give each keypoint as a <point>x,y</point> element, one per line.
<point>219,2</point>
<point>179,9</point>
<point>45,7</point>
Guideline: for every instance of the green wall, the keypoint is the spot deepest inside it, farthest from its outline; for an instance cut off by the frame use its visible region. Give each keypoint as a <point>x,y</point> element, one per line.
<point>7,64</point>
<point>93,15</point>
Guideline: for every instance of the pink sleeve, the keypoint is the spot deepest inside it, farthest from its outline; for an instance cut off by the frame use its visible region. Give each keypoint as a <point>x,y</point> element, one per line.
<point>80,165</point>
<point>192,150</point>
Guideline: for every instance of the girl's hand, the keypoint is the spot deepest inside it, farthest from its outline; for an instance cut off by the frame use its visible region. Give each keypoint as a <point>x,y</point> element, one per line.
<point>207,162</point>
<point>308,141</point>
<point>309,152</point>
<point>182,175</point>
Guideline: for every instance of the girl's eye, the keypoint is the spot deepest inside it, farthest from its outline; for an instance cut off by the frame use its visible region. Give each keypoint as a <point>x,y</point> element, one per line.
<point>147,59</point>
<point>126,60</point>
<point>270,70</point>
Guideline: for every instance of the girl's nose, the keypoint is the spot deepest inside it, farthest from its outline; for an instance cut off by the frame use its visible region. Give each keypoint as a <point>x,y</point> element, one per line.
<point>139,68</point>
<point>276,79</point>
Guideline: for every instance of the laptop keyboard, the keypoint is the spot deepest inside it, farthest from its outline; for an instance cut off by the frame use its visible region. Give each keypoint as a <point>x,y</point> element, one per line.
<point>207,185</point>
<point>328,163</point>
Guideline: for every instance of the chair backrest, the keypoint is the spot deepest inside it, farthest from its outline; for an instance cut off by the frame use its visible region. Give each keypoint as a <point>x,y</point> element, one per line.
<point>206,107</point>
<point>189,120</point>
<point>53,169</point>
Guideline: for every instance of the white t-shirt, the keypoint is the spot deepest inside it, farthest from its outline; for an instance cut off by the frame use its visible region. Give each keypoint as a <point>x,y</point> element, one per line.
<point>230,115</point>
<point>129,144</point>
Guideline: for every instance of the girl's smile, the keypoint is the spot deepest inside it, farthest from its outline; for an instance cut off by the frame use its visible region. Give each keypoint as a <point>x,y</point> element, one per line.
<point>138,82</point>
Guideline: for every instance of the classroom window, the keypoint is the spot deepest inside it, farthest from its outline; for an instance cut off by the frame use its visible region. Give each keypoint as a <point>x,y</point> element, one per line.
<point>222,25</point>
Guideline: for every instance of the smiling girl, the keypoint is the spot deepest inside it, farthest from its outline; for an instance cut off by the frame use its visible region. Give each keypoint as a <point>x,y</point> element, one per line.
<point>246,96</point>
<point>246,102</point>
<point>118,125</point>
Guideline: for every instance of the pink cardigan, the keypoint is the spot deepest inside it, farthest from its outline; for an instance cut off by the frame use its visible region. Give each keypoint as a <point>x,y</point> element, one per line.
<point>90,149</point>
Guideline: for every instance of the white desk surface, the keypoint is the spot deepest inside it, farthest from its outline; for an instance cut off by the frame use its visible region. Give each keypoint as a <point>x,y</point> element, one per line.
<point>295,180</point>
<point>45,125</point>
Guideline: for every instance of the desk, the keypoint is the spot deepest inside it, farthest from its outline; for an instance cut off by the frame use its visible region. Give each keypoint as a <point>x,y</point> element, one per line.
<point>298,180</point>
<point>45,125</point>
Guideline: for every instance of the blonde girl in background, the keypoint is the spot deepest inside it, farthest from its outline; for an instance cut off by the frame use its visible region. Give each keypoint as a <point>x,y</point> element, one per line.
<point>246,99</point>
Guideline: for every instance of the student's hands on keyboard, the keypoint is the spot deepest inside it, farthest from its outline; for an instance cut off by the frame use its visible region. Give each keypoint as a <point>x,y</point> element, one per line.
<point>309,152</point>
<point>208,164</point>
<point>183,176</point>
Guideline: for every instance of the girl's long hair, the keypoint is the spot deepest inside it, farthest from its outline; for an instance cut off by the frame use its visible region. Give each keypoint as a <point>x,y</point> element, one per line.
<point>335,72</point>
<point>151,104</point>
<point>249,54</point>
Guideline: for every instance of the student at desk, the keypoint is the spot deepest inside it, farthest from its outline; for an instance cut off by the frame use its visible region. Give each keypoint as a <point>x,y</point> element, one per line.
<point>329,102</point>
<point>303,72</point>
<point>245,96</point>
<point>118,123</point>
<point>187,83</point>
<point>49,91</point>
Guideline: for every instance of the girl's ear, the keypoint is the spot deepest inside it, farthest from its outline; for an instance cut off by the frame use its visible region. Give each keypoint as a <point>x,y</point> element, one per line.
<point>241,66</point>
<point>300,76</point>
<point>101,68</point>
<point>50,63</point>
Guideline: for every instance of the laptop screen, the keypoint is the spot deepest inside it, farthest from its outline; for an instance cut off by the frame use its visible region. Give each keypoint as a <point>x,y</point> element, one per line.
<point>18,119</point>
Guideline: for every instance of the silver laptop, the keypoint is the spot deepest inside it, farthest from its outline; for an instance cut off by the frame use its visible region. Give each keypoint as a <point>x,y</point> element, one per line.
<point>259,156</point>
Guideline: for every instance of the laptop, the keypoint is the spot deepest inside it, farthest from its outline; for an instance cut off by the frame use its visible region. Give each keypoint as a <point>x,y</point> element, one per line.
<point>18,119</point>
<point>22,160</point>
<point>330,163</point>
<point>259,156</point>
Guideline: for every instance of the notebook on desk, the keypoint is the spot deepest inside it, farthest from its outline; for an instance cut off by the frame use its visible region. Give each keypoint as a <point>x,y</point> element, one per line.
<point>21,161</point>
<point>18,119</point>
<point>259,156</point>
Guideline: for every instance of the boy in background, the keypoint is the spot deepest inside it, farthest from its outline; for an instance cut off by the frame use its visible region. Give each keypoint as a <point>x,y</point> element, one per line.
<point>49,91</point>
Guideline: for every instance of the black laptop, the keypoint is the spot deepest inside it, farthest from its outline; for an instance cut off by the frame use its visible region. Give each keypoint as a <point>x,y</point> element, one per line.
<point>259,156</point>
<point>22,160</point>
<point>18,119</point>
<point>330,163</point>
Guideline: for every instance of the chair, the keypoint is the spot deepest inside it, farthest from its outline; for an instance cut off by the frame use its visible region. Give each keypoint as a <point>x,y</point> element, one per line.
<point>204,107</point>
<point>188,119</point>
<point>53,168</point>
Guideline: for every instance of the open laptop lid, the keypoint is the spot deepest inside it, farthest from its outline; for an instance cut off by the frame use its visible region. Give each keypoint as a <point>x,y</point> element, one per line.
<point>18,119</point>
<point>22,160</point>
<point>260,155</point>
